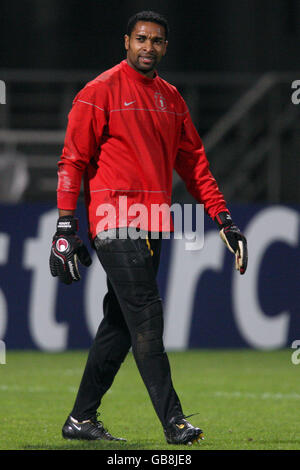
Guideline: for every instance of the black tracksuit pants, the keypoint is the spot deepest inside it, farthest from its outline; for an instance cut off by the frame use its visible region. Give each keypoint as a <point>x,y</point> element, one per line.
<point>133,316</point>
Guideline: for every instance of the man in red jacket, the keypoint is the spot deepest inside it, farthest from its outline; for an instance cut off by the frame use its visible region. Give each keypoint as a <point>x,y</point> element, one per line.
<point>128,129</point>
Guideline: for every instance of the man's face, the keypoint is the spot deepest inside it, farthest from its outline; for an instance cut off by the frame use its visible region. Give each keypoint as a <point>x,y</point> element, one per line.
<point>145,47</point>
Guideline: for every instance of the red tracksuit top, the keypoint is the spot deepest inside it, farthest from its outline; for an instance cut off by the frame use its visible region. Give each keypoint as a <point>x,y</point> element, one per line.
<point>125,134</point>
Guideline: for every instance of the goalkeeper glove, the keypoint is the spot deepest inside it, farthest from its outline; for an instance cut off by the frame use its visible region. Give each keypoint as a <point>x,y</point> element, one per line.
<point>234,240</point>
<point>66,248</point>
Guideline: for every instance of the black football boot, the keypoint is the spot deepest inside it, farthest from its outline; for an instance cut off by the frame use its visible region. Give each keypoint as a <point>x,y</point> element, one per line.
<point>180,431</point>
<point>90,430</point>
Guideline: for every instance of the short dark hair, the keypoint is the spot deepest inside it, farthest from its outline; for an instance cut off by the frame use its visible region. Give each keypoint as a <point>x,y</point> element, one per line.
<point>150,16</point>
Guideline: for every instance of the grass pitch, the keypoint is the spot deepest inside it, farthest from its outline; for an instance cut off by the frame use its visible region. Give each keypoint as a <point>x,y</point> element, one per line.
<point>246,400</point>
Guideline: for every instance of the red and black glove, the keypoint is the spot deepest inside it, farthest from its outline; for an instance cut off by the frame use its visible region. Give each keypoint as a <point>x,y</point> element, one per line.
<point>234,240</point>
<point>66,249</point>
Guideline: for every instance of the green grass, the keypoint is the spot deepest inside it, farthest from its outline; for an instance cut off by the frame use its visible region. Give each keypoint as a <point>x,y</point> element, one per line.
<point>246,400</point>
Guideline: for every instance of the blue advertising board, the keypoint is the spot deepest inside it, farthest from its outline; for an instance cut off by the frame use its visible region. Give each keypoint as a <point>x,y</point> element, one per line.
<point>207,304</point>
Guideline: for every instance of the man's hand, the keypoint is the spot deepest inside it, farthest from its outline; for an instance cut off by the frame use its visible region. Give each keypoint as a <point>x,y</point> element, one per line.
<point>66,249</point>
<point>234,240</point>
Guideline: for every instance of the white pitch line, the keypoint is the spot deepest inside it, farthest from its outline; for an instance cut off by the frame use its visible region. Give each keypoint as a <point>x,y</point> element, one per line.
<point>262,396</point>
<point>217,394</point>
<point>221,394</point>
<point>16,388</point>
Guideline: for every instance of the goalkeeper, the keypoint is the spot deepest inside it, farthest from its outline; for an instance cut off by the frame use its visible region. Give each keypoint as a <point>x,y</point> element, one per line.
<point>127,130</point>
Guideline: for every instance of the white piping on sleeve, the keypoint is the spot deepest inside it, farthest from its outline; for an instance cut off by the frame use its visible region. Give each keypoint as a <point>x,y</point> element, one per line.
<point>91,104</point>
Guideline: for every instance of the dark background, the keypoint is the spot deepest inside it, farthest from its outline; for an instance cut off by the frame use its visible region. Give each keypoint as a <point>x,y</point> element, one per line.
<point>230,35</point>
<point>218,51</point>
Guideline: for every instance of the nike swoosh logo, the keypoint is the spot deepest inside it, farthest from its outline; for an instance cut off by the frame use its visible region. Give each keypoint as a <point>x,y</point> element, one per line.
<point>77,427</point>
<point>127,104</point>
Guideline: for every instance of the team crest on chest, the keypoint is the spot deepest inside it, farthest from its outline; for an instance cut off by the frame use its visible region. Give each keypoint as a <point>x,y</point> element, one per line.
<point>160,101</point>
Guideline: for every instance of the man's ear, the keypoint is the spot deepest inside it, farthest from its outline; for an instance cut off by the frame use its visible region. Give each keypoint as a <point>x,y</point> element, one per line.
<point>126,42</point>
